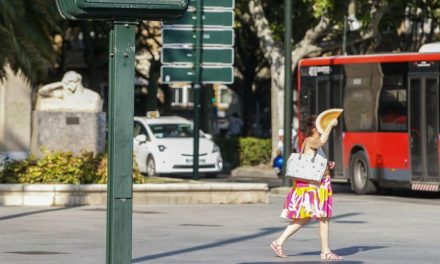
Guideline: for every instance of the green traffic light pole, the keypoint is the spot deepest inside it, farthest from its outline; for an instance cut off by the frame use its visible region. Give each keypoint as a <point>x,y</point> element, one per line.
<point>287,87</point>
<point>197,87</point>
<point>120,146</point>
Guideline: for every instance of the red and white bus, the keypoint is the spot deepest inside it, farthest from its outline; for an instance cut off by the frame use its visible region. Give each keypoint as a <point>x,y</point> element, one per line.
<point>388,135</point>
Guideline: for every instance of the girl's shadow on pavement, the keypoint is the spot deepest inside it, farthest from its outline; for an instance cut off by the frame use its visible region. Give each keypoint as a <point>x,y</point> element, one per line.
<point>345,251</point>
<point>342,252</point>
<point>306,262</point>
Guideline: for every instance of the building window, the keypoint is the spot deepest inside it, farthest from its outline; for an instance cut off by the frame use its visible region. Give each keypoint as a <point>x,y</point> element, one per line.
<point>225,96</point>
<point>177,96</point>
<point>189,95</point>
<point>182,96</point>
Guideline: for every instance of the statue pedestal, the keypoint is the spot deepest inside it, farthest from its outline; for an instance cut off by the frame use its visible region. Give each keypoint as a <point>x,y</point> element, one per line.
<point>68,131</point>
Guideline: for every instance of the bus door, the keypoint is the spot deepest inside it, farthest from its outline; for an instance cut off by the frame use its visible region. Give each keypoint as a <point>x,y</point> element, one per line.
<point>424,127</point>
<point>329,95</point>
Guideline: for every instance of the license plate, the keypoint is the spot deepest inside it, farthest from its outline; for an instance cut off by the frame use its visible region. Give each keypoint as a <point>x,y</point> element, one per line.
<point>190,161</point>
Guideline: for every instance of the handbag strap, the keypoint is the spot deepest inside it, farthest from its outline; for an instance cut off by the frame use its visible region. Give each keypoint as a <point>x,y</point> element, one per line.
<point>302,151</point>
<point>302,147</point>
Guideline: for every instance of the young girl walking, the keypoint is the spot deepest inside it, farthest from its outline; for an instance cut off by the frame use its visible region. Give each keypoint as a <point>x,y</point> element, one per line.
<point>307,201</point>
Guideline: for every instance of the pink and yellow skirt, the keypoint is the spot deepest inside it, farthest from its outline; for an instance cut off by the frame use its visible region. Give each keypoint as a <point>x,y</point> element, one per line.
<point>306,200</point>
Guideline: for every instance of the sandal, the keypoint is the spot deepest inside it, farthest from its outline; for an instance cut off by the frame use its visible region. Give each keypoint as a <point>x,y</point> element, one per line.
<point>278,249</point>
<point>330,256</point>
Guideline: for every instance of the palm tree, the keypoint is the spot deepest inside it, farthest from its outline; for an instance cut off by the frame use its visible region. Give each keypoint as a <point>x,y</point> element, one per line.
<point>26,30</point>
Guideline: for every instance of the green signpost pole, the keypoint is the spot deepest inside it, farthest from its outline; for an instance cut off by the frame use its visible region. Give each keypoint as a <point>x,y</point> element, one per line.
<point>120,146</point>
<point>287,86</point>
<point>124,15</point>
<point>197,87</point>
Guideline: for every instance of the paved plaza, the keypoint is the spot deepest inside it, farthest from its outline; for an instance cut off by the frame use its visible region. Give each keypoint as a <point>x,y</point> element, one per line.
<point>365,229</point>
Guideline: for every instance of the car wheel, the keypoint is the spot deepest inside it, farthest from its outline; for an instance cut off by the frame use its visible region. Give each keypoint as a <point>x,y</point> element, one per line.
<point>151,166</point>
<point>360,174</point>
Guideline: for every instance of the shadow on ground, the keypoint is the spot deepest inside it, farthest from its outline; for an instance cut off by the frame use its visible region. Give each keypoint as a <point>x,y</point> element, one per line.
<point>304,262</point>
<point>342,252</point>
<point>345,251</point>
<point>263,232</point>
<point>33,212</point>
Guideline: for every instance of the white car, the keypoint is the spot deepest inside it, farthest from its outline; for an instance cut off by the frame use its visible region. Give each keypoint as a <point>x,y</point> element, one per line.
<point>164,145</point>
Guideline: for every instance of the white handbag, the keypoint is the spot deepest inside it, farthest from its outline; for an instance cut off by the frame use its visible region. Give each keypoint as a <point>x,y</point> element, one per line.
<point>306,167</point>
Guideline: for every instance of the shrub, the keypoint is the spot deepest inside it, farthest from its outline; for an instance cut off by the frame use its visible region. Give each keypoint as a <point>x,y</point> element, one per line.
<point>101,171</point>
<point>244,151</point>
<point>60,167</point>
<point>230,150</point>
<point>254,151</point>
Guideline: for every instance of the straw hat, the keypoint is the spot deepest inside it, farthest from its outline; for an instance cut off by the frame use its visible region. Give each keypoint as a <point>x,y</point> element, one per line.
<point>324,118</point>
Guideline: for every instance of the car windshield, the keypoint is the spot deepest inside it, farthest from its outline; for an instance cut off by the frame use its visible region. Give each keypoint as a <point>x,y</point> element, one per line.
<point>172,130</point>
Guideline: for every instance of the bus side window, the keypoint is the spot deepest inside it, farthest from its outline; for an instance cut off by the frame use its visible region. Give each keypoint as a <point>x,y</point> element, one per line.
<point>393,105</point>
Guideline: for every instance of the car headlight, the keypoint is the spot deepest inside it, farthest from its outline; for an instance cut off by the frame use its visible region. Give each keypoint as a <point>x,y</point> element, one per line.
<point>215,149</point>
<point>220,164</point>
<point>161,148</point>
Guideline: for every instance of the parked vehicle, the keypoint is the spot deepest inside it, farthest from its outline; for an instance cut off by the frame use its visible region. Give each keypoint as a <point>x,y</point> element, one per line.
<point>164,145</point>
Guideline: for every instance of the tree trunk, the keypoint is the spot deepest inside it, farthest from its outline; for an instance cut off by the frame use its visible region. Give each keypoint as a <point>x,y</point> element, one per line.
<point>153,84</point>
<point>273,53</point>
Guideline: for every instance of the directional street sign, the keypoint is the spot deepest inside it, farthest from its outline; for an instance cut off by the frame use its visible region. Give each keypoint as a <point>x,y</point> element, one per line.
<point>187,36</point>
<point>188,56</point>
<point>122,9</point>
<point>210,18</point>
<point>214,4</point>
<point>210,74</point>
<point>178,55</point>
<point>182,55</point>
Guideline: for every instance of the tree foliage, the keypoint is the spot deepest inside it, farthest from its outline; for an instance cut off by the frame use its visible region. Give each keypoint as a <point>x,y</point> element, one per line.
<point>318,28</point>
<point>26,31</point>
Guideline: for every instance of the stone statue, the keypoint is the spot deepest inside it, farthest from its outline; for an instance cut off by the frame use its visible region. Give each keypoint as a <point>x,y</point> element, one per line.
<point>68,95</point>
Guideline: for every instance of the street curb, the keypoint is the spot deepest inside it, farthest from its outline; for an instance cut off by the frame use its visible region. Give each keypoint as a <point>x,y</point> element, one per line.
<point>143,194</point>
<point>254,172</point>
<point>280,190</point>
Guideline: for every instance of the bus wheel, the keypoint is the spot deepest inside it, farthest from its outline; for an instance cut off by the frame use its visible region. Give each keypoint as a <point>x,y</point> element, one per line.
<point>360,174</point>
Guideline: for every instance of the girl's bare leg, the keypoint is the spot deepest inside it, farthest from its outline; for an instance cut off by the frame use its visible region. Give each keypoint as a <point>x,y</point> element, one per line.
<point>324,234</point>
<point>277,245</point>
<point>326,253</point>
<point>291,229</point>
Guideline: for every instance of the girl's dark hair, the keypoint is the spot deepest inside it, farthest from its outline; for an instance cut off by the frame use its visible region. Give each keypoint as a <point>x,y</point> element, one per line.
<point>310,125</point>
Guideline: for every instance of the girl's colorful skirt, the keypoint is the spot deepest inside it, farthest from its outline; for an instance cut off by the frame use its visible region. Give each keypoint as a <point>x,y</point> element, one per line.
<point>306,200</point>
